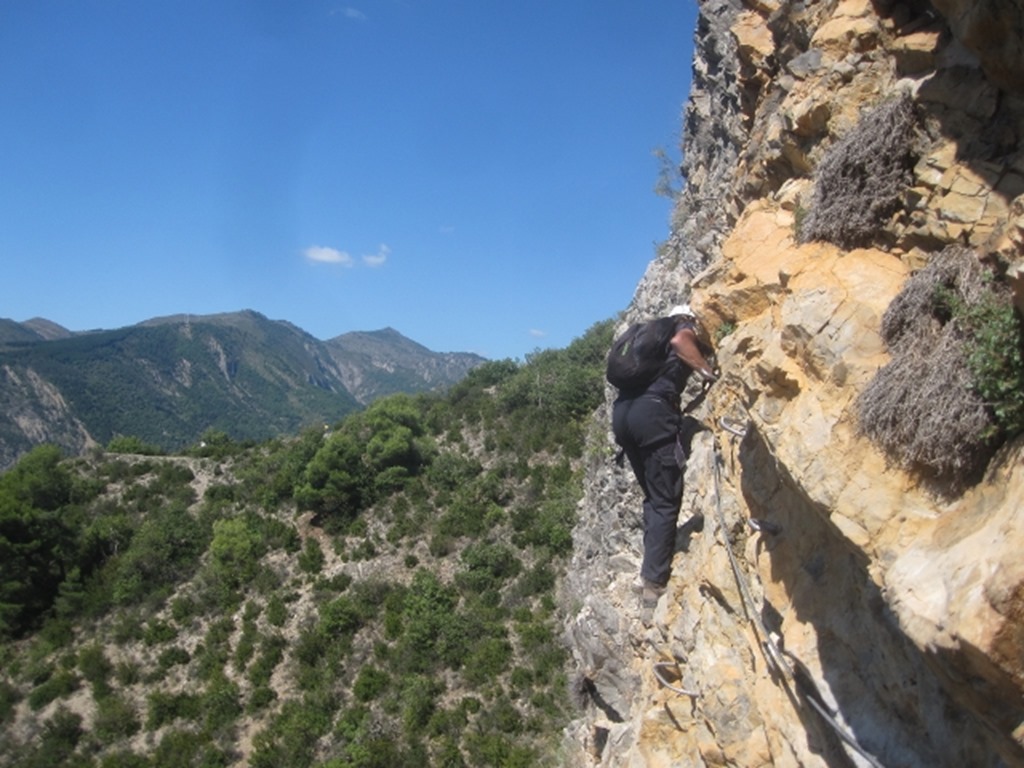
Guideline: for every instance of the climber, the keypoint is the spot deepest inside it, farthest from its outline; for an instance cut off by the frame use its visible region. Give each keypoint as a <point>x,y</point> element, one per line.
<point>647,425</point>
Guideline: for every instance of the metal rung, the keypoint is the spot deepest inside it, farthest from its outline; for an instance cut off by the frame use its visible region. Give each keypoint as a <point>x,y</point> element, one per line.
<point>732,427</point>
<point>659,666</point>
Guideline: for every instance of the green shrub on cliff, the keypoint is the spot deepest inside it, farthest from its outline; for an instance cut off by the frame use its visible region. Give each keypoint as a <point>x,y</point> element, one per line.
<point>954,387</point>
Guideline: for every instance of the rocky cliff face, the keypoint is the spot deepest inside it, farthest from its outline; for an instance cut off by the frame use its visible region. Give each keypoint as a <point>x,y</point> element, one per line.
<point>882,623</point>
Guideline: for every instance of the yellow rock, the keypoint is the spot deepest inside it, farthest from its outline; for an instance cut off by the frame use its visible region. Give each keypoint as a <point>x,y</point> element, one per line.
<point>753,39</point>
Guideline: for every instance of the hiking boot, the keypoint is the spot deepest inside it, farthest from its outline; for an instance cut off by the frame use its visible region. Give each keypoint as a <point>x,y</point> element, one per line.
<point>650,592</point>
<point>694,525</point>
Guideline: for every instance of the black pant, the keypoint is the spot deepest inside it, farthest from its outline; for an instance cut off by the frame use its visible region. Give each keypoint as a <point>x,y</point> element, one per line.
<point>648,429</point>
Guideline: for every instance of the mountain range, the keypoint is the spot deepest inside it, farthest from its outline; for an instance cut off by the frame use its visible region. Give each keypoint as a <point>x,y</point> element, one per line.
<point>169,380</point>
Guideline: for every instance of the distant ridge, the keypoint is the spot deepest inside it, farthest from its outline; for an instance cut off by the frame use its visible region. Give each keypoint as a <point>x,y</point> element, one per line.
<point>47,329</point>
<point>378,363</point>
<point>168,380</point>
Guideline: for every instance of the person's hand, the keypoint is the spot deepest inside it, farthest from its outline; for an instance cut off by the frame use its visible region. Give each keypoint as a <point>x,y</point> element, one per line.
<point>709,376</point>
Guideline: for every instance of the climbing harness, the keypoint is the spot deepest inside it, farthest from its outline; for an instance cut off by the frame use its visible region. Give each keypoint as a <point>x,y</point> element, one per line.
<point>796,676</point>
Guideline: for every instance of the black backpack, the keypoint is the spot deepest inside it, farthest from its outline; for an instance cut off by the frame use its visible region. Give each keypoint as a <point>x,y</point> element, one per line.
<point>638,355</point>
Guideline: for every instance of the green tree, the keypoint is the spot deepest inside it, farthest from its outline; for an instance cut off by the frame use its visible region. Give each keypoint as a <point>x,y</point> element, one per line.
<point>371,454</point>
<point>36,543</point>
<point>396,448</point>
<point>370,683</point>
<point>165,548</point>
<point>336,482</point>
<point>235,551</point>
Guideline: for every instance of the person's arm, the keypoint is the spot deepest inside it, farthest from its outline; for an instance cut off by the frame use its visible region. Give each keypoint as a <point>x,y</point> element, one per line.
<point>685,345</point>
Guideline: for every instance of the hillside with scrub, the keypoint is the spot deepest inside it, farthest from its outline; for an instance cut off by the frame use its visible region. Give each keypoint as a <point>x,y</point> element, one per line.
<point>379,593</point>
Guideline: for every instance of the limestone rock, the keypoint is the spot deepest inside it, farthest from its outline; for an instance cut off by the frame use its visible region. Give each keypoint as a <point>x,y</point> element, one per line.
<point>993,29</point>
<point>754,43</point>
<point>914,54</point>
<point>854,26</point>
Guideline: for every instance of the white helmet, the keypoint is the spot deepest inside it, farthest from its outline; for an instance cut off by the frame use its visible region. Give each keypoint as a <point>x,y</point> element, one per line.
<point>681,309</point>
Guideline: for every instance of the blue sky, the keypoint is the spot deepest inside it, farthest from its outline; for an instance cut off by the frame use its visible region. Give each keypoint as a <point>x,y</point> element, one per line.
<point>478,175</point>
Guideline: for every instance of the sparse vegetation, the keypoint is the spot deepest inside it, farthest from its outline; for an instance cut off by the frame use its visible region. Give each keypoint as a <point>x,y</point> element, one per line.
<point>725,329</point>
<point>954,389</point>
<point>860,180</point>
<point>183,599</point>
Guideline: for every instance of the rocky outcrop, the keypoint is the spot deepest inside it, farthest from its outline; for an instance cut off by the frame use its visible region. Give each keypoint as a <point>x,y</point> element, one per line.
<point>35,410</point>
<point>827,608</point>
<point>993,31</point>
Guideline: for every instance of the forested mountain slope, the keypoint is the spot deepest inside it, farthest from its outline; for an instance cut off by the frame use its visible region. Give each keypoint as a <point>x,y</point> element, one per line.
<point>169,380</point>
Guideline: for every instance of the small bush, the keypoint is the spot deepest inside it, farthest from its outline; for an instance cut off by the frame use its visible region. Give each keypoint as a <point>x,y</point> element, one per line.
<point>954,387</point>
<point>187,747</point>
<point>94,665</point>
<point>132,445</point>
<point>128,673</point>
<point>370,683</point>
<point>261,698</point>
<point>158,631</point>
<point>291,738</point>
<point>127,627</point>
<point>489,659</point>
<point>164,708</point>
<point>60,736</point>
<point>311,559</point>
<point>183,608</point>
<point>860,180</point>
<point>995,359</point>
<point>124,759</point>
<point>220,704</point>
<point>115,719</point>
<point>213,654</point>
<point>171,657</point>
<point>725,329</point>
<point>487,566</point>
<point>277,611</point>
<point>271,653</point>
<point>246,647</point>
<point>60,685</point>
<point>8,700</point>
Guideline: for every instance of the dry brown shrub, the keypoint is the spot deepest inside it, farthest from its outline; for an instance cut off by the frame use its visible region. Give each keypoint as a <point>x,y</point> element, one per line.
<point>919,306</point>
<point>922,407</point>
<point>861,179</point>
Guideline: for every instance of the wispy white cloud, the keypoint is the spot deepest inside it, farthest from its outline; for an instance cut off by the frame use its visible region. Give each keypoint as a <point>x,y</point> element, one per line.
<point>324,255</point>
<point>538,334</point>
<point>349,13</point>
<point>378,258</point>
